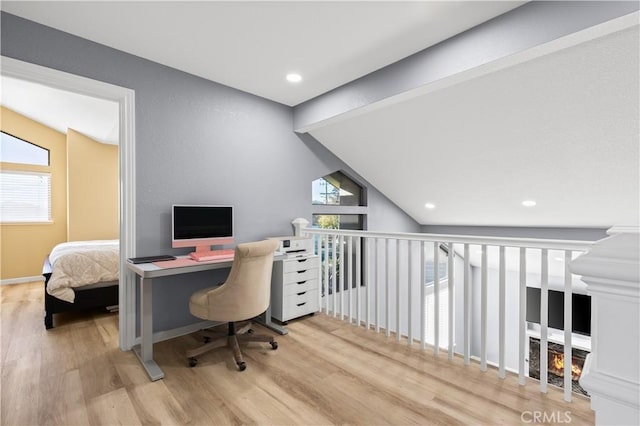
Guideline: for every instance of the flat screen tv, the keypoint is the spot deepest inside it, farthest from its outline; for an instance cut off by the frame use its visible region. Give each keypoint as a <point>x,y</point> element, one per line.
<point>580,310</point>
<point>201,226</point>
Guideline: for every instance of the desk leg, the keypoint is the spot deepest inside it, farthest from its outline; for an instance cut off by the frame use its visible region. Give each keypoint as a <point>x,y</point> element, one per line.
<point>265,320</point>
<point>145,350</point>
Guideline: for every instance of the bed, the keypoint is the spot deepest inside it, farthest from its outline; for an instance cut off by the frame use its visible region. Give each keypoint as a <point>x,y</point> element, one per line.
<point>79,276</point>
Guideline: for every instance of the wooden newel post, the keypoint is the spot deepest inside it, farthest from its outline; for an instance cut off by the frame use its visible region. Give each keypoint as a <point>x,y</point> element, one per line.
<point>611,374</point>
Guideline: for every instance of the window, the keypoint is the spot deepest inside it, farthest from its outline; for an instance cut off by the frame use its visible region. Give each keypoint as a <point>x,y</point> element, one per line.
<point>339,204</point>
<point>443,267</point>
<point>25,186</point>
<point>19,151</point>
<point>338,221</point>
<point>25,197</point>
<point>336,189</point>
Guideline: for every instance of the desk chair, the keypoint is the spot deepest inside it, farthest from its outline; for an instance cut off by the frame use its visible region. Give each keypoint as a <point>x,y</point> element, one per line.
<point>244,295</point>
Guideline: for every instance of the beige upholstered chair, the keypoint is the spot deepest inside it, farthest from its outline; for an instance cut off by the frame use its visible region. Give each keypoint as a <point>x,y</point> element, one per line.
<point>244,295</point>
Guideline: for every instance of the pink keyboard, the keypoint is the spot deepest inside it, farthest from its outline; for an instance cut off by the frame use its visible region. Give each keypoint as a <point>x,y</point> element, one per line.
<point>203,256</point>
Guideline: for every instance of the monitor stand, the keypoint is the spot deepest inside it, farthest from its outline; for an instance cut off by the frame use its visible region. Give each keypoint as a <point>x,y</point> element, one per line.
<point>203,249</point>
<point>200,250</point>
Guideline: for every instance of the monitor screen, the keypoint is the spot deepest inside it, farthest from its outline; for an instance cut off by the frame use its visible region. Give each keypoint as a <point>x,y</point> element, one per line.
<point>201,225</point>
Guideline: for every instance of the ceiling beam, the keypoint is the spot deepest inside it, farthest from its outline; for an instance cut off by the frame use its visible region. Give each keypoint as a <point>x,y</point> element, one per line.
<point>465,56</point>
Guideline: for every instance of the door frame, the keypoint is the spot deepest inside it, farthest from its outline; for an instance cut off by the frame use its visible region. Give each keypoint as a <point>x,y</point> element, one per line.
<point>125,98</point>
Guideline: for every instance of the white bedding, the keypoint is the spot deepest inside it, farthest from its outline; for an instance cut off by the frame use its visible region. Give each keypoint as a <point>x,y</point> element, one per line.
<point>78,263</point>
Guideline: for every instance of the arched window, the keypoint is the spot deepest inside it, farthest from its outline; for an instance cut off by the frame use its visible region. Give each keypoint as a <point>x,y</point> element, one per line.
<point>339,202</point>
<point>337,189</point>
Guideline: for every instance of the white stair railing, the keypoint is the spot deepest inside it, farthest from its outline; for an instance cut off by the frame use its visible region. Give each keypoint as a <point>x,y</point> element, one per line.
<point>377,280</point>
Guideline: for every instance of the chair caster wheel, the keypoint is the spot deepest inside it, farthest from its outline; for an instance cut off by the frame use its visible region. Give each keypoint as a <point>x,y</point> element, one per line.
<point>207,339</point>
<point>242,366</point>
<point>193,362</point>
<point>274,345</point>
<point>250,331</point>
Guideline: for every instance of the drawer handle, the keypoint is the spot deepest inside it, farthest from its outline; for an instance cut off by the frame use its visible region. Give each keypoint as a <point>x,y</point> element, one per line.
<point>302,260</point>
<point>302,272</point>
<point>301,282</point>
<point>300,294</point>
<point>301,304</point>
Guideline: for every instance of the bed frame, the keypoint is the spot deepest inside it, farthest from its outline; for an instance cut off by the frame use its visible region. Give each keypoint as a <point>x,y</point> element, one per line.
<point>86,299</point>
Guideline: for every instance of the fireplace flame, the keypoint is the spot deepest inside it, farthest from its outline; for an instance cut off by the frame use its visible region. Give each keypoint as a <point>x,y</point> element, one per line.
<point>557,365</point>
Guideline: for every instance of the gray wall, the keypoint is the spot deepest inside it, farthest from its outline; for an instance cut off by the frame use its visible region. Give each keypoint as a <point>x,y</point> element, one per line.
<point>198,142</point>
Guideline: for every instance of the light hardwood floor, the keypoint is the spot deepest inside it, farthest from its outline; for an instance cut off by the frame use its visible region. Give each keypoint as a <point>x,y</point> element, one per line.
<point>324,372</point>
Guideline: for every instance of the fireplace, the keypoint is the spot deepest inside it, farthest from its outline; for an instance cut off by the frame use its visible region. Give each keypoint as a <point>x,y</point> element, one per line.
<point>555,358</point>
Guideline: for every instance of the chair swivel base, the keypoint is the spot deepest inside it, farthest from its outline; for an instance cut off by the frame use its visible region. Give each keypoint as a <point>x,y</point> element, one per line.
<point>231,339</point>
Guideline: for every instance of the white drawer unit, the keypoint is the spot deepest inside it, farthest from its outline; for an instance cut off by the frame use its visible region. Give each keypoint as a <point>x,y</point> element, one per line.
<point>295,287</point>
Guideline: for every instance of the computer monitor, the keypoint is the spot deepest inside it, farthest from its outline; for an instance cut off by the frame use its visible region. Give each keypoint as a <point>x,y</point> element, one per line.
<point>201,226</point>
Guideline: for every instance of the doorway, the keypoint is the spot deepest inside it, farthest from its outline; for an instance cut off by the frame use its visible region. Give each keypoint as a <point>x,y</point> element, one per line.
<point>126,159</point>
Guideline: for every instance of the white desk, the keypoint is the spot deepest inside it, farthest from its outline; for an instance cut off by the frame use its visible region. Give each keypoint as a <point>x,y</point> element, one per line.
<point>148,271</point>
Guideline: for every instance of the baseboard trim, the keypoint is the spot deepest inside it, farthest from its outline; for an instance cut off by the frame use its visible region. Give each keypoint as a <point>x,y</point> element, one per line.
<point>22,280</point>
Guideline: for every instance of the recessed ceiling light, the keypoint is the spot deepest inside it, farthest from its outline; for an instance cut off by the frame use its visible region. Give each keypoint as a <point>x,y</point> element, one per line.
<point>294,77</point>
<point>529,203</point>
<point>559,259</point>
<point>429,206</point>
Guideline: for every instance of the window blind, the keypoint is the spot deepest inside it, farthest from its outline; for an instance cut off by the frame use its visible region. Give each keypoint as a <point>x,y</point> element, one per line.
<point>25,196</point>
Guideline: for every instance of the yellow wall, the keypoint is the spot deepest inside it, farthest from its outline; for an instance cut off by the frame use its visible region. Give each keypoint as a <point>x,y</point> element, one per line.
<point>84,178</point>
<point>93,188</point>
<point>24,247</point>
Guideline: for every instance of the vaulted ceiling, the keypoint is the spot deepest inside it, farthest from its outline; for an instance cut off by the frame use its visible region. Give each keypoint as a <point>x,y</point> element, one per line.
<point>252,45</point>
<point>559,128</point>
<point>61,109</point>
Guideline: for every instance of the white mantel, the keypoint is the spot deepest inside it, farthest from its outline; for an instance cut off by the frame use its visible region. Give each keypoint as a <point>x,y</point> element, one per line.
<point>611,374</point>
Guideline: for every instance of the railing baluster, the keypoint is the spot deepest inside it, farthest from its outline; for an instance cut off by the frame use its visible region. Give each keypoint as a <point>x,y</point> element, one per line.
<point>544,320</point>
<point>377,280</point>
<point>423,302</point>
<point>568,327</point>
<point>342,272</point>
<point>398,333</point>
<point>522,320</point>
<point>358,278</point>
<point>467,306</point>
<point>409,291</point>
<point>326,274</point>
<point>327,254</point>
<point>436,298</point>
<point>317,250</point>
<point>501,312</point>
<point>367,271</point>
<point>387,302</point>
<point>334,281</point>
<point>483,311</point>
<point>451,293</point>
<point>350,277</point>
